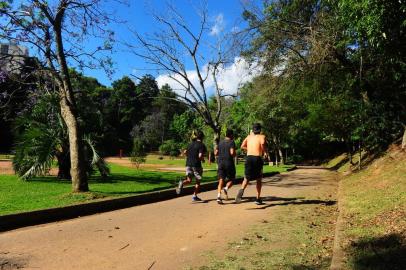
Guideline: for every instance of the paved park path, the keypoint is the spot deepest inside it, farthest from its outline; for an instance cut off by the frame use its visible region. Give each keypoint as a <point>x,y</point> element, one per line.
<point>165,235</point>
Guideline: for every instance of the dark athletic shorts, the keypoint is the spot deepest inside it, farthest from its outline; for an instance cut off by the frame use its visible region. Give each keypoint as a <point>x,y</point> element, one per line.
<point>253,167</point>
<point>226,171</point>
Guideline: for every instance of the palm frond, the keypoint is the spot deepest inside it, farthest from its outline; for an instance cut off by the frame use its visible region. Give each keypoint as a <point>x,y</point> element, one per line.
<point>97,161</point>
<point>35,153</point>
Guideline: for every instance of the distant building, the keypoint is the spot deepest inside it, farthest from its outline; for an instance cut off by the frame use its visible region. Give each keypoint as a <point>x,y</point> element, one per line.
<point>12,57</point>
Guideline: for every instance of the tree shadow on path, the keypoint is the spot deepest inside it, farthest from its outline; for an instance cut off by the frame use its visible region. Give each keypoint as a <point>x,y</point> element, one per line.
<point>379,253</point>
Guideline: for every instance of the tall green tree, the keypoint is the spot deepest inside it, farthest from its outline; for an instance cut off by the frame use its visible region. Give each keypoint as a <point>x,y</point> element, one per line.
<point>124,111</point>
<point>57,31</point>
<point>342,61</point>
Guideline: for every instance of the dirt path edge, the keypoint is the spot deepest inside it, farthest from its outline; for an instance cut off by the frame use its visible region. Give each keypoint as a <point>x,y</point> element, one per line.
<point>337,261</point>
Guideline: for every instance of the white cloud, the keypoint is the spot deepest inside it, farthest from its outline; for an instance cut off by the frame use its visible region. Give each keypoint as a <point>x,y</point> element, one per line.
<point>218,26</point>
<point>230,78</point>
<point>235,29</point>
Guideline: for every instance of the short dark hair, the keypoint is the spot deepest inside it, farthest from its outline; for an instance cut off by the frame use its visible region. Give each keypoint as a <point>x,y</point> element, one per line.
<point>229,133</point>
<point>199,135</point>
<point>256,128</point>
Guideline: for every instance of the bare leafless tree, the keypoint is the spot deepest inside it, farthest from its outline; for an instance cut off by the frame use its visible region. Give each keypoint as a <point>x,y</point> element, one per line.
<point>59,33</point>
<point>185,54</point>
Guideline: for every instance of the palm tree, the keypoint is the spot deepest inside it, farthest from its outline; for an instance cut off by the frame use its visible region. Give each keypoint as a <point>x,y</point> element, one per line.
<point>43,138</point>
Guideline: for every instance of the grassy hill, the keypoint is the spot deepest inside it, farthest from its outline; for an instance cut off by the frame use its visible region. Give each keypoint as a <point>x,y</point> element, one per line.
<point>374,212</point>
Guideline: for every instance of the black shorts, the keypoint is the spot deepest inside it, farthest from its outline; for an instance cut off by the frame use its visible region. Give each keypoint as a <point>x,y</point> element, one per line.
<point>226,171</point>
<point>253,167</point>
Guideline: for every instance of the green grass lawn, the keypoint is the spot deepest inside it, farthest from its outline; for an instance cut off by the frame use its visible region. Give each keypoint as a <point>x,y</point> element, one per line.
<point>46,192</point>
<point>6,157</point>
<point>165,160</point>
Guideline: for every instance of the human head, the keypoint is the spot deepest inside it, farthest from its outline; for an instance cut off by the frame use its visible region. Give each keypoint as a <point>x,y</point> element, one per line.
<point>229,133</point>
<point>199,135</point>
<point>256,128</point>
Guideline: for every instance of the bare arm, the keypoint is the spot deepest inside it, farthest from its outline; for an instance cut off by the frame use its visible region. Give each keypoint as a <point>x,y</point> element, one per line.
<point>202,152</point>
<point>232,152</point>
<point>244,145</point>
<point>264,146</point>
<point>201,156</point>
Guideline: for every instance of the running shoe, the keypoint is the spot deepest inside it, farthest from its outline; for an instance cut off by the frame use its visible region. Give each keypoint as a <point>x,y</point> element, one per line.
<point>258,201</point>
<point>219,201</point>
<point>225,194</point>
<point>239,196</point>
<point>179,188</point>
<point>196,199</point>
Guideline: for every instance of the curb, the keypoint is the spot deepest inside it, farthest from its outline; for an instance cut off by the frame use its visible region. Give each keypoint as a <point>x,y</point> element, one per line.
<point>338,257</point>
<point>37,217</point>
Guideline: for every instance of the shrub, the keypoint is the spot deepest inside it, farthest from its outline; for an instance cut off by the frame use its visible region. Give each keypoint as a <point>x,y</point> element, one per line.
<point>169,147</point>
<point>138,153</point>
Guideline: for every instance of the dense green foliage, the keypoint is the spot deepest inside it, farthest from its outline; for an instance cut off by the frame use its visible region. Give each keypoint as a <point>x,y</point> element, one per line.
<point>170,147</point>
<point>333,74</point>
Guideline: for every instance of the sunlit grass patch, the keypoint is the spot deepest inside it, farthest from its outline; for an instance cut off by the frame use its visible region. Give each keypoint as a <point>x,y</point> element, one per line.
<point>375,215</point>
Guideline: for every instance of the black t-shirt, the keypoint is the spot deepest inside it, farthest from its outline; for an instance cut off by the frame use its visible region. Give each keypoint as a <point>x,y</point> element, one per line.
<point>224,155</point>
<point>193,150</point>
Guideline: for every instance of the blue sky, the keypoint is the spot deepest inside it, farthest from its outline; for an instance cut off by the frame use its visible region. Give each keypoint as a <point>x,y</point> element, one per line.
<point>225,14</point>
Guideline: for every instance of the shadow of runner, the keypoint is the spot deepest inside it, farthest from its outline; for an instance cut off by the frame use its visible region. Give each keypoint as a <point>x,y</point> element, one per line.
<point>381,253</point>
<point>289,201</point>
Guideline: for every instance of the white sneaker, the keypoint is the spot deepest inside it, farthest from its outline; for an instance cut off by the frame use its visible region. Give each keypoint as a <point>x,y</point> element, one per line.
<point>225,194</point>
<point>239,196</point>
<point>179,188</point>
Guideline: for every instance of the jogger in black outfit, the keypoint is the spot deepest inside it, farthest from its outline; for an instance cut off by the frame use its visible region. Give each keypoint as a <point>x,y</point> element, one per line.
<point>225,153</point>
<point>194,157</point>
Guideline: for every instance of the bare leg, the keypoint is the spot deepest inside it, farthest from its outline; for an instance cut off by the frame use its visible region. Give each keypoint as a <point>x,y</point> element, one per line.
<point>244,183</point>
<point>259,187</point>
<point>187,181</point>
<point>229,184</point>
<point>197,186</point>
<point>220,186</point>
<point>182,183</point>
<point>241,191</point>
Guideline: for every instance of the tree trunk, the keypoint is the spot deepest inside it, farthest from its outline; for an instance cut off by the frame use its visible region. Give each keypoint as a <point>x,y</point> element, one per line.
<point>217,134</point>
<point>63,164</point>
<point>349,150</point>
<point>404,140</point>
<point>69,112</point>
<point>77,171</point>
<point>276,158</point>
<point>360,156</point>
<point>281,156</point>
